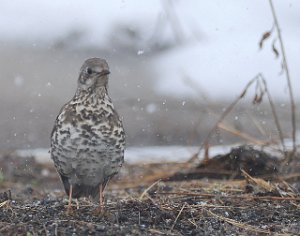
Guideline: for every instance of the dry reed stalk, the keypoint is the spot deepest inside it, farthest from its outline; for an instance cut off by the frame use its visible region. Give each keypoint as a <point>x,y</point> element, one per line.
<point>248,197</point>
<point>227,111</point>
<point>261,183</point>
<point>261,89</point>
<point>241,134</point>
<point>147,189</point>
<point>257,124</point>
<point>239,224</point>
<point>276,120</point>
<point>288,78</point>
<point>206,153</point>
<point>175,221</point>
<point>2,204</point>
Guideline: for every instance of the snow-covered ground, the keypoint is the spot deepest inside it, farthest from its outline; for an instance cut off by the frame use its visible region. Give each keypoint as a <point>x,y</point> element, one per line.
<point>138,154</point>
<point>152,154</point>
<point>132,154</point>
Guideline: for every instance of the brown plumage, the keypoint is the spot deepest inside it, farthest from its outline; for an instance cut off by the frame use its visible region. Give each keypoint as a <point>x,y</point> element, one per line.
<point>88,139</point>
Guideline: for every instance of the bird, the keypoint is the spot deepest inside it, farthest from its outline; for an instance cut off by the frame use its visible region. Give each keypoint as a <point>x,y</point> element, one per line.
<point>88,138</point>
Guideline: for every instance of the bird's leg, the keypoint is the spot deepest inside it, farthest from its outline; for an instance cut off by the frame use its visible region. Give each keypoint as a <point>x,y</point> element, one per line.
<point>100,198</point>
<point>70,199</point>
<point>99,210</point>
<point>77,203</point>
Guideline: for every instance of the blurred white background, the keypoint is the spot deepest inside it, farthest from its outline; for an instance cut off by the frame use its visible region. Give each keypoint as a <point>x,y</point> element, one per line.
<point>168,59</point>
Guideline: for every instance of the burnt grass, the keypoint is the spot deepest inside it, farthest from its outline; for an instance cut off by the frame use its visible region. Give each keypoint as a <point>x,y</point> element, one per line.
<point>187,202</point>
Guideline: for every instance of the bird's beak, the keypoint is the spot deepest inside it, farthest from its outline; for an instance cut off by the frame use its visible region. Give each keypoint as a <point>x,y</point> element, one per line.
<point>104,72</point>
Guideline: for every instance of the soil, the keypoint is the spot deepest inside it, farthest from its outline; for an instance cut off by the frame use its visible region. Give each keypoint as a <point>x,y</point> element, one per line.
<point>229,166</point>
<point>32,201</point>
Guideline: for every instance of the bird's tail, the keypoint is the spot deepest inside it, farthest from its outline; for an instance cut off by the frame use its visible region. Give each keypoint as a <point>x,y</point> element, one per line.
<point>82,190</point>
<point>85,191</point>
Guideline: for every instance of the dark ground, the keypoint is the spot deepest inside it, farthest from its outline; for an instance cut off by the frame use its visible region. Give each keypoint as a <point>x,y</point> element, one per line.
<point>32,201</point>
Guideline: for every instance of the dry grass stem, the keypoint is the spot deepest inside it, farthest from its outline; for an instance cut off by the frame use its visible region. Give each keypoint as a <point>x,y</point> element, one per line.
<point>276,120</point>
<point>257,125</point>
<point>248,197</point>
<point>241,134</point>
<point>178,216</point>
<point>287,73</point>
<point>239,224</point>
<point>259,182</point>
<point>147,189</point>
<point>227,111</point>
<point>2,204</point>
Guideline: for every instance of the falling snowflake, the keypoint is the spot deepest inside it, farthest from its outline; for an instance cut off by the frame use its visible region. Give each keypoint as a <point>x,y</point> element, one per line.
<point>140,52</point>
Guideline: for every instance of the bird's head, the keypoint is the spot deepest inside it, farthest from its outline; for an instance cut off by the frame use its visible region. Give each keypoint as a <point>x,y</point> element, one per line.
<point>93,74</point>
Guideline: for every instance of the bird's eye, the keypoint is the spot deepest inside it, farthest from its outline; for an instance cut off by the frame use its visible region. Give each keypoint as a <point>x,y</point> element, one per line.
<point>89,71</point>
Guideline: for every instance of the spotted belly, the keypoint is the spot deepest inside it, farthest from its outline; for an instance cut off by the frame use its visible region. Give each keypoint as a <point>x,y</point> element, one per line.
<point>87,157</point>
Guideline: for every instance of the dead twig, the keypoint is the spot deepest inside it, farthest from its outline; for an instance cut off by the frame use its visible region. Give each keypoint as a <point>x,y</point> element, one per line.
<point>210,195</point>
<point>276,120</point>
<point>156,232</point>
<point>178,216</point>
<point>239,224</point>
<point>206,153</point>
<point>222,125</point>
<point>291,176</point>
<point>147,189</point>
<point>288,78</point>
<point>2,204</point>
<point>45,229</point>
<point>267,186</point>
<point>261,89</point>
<point>216,206</point>
<point>241,134</point>
<point>257,124</point>
<point>227,111</point>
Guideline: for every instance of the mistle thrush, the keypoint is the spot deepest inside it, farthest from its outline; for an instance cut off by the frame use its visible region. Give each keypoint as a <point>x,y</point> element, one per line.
<point>88,139</point>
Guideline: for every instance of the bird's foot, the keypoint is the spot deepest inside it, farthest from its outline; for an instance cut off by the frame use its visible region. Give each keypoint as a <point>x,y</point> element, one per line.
<point>69,211</point>
<point>71,207</point>
<point>99,211</point>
